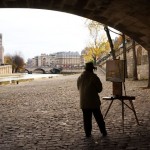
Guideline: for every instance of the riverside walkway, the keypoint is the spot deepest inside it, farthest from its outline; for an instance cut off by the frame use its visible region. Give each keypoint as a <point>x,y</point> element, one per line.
<point>45,115</point>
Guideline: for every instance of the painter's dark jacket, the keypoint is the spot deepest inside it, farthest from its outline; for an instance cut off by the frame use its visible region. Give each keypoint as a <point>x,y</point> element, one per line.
<point>89,85</point>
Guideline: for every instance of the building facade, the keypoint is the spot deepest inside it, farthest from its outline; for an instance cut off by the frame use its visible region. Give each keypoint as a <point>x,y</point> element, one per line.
<point>59,59</point>
<point>68,59</point>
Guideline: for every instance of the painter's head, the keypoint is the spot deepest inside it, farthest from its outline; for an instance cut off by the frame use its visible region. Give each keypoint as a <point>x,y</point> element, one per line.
<point>89,66</point>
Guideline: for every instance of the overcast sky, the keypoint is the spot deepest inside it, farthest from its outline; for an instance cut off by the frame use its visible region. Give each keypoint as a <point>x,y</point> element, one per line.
<point>32,32</point>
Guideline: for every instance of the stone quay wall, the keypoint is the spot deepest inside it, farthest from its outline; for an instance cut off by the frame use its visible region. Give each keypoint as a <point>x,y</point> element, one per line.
<point>7,69</point>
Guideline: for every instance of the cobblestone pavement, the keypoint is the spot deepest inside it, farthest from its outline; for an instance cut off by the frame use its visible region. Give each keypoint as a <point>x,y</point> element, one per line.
<point>45,115</point>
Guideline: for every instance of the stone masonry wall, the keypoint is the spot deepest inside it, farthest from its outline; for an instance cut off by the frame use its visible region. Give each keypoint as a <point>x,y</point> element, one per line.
<point>7,69</point>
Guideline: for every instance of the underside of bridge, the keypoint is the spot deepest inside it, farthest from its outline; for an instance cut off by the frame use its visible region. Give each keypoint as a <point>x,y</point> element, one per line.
<point>131,17</point>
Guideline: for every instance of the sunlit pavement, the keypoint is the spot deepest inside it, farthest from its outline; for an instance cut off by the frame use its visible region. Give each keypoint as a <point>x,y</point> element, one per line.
<point>45,115</point>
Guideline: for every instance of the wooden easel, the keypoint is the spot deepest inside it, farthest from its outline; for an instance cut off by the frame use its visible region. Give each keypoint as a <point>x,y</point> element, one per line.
<point>115,73</point>
<point>117,95</point>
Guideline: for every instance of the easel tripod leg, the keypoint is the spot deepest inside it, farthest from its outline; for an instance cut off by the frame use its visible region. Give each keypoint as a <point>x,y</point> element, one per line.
<point>108,109</point>
<point>134,112</point>
<point>122,114</point>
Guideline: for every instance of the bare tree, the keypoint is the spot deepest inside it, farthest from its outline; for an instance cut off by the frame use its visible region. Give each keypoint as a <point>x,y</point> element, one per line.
<point>16,61</point>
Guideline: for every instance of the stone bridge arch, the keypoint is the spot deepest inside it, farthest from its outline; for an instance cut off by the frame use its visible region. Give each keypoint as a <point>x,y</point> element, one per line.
<point>131,17</point>
<point>39,69</point>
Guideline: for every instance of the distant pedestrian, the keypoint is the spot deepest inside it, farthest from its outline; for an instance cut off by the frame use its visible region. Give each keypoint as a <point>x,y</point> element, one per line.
<point>89,85</point>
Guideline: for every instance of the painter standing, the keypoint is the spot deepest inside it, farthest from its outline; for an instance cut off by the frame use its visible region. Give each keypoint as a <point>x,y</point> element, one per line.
<point>89,85</point>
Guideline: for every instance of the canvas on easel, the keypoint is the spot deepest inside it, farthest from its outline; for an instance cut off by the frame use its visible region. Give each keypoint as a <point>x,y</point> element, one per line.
<point>115,73</point>
<point>115,70</point>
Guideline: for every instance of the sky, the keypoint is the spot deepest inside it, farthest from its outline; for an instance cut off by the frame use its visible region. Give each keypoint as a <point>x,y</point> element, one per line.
<point>31,32</point>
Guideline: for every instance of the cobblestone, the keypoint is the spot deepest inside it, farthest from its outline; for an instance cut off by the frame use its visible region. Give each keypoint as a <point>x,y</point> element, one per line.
<point>45,115</point>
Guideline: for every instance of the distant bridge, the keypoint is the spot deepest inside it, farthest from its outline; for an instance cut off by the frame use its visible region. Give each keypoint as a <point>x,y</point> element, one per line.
<point>43,70</point>
<point>53,70</point>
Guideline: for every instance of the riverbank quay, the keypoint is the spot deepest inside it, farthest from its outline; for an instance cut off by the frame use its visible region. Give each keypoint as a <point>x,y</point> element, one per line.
<point>45,115</point>
<point>17,78</point>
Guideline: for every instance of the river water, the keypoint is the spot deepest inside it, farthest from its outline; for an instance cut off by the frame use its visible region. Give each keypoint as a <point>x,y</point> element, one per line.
<point>27,76</point>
